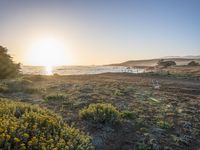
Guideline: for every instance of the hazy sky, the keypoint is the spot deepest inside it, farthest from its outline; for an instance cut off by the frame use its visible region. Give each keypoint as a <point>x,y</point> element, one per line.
<point>104,31</point>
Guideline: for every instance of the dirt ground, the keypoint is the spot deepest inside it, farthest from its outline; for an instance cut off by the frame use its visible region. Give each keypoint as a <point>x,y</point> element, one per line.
<point>166,108</point>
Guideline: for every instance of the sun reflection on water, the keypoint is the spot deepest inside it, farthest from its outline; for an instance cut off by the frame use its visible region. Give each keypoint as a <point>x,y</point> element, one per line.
<point>49,70</point>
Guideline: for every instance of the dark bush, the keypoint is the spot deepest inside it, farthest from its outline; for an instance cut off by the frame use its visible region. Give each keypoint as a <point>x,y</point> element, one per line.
<point>166,63</point>
<point>8,68</point>
<point>193,63</point>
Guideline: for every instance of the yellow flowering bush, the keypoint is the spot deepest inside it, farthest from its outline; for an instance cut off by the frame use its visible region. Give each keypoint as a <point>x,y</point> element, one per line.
<point>100,113</point>
<point>24,126</point>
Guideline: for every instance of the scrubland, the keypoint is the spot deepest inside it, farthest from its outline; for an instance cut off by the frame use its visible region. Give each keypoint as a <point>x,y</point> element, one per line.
<point>158,110</point>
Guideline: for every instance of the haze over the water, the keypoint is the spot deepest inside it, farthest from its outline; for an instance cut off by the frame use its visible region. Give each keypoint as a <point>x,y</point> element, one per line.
<point>86,32</point>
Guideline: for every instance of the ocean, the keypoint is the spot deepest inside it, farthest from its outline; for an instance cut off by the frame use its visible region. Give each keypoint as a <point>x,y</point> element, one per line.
<point>77,70</point>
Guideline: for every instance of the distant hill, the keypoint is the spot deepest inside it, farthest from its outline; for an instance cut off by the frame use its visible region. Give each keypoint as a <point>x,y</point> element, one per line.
<point>153,62</point>
<point>186,57</point>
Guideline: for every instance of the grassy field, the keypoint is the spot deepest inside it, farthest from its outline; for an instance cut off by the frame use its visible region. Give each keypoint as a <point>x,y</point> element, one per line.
<point>145,111</point>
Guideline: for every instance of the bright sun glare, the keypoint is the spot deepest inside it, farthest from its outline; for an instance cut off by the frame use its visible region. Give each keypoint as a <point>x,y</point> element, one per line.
<point>48,52</point>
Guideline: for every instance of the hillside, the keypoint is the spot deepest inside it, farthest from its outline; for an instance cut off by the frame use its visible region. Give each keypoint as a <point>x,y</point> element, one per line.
<point>153,62</point>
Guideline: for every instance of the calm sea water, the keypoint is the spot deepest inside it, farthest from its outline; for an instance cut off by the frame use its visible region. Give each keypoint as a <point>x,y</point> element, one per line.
<point>77,70</point>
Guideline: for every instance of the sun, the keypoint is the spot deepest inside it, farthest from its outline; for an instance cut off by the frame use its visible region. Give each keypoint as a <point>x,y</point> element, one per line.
<point>48,52</point>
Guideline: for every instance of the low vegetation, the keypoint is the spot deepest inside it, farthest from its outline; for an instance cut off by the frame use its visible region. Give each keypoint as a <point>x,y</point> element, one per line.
<point>56,98</point>
<point>166,117</point>
<point>19,85</point>
<point>100,113</point>
<point>128,115</point>
<point>26,127</point>
<point>143,146</point>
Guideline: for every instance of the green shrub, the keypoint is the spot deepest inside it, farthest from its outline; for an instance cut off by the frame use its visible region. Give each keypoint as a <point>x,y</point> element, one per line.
<point>23,126</point>
<point>21,85</point>
<point>100,113</point>
<point>117,93</point>
<point>140,123</point>
<point>3,89</point>
<point>32,90</point>
<point>128,114</point>
<point>18,83</point>
<point>163,124</point>
<point>56,98</point>
<point>26,82</point>
<point>142,146</point>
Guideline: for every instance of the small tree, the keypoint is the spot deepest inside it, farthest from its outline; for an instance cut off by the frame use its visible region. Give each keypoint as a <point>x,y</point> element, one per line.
<point>8,68</point>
